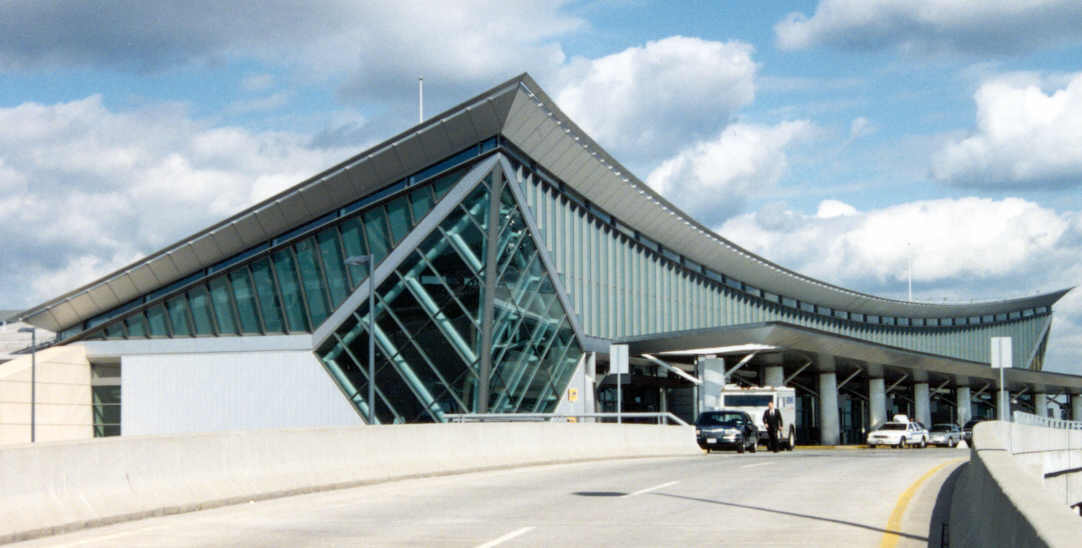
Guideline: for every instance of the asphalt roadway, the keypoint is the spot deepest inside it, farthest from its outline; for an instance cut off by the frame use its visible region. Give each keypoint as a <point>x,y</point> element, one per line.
<point>851,497</point>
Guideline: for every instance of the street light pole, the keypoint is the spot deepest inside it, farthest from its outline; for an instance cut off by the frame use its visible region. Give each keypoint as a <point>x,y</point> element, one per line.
<point>370,261</point>
<point>33,377</point>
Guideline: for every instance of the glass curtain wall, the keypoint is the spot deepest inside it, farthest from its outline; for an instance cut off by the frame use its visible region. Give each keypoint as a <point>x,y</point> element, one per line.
<point>429,322</point>
<point>290,289</point>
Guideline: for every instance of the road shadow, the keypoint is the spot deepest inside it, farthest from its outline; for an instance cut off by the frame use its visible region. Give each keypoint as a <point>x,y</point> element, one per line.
<point>797,515</point>
<point>599,493</point>
<point>938,529</point>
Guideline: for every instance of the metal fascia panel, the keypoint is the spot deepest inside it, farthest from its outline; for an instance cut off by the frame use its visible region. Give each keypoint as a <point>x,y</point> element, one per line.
<point>436,144</point>
<point>531,121</point>
<point>164,269</point>
<point>532,143</point>
<point>123,288</point>
<point>294,210</point>
<point>45,320</point>
<point>560,156</point>
<point>143,279</point>
<point>316,199</point>
<point>83,306</point>
<point>384,164</point>
<point>271,219</point>
<point>64,315</point>
<point>550,145</point>
<point>228,241</point>
<point>102,297</point>
<point>459,130</point>
<point>411,154</point>
<point>249,230</point>
<point>485,119</point>
<point>206,253</point>
<point>519,115</point>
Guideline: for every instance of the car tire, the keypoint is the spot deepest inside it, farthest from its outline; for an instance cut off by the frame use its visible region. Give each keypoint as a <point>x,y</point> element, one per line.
<point>923,442</point>
<point>901,443</point>
<point>952,444</point>
<point>753,447</point>
<point>790,443</point>
<point>740,447</point>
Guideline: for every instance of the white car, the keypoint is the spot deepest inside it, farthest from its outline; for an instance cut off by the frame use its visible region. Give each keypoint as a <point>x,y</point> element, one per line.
<point>899,433</point>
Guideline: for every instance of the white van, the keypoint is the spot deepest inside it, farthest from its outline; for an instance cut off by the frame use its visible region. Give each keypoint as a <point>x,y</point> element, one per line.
<point>754,400</point>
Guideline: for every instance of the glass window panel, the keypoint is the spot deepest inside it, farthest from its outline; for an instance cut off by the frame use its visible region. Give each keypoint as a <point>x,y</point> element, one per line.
<point>137,325</point>
<point>178,316</point>
<point>115,331</point>
<point>200,303</point>
<point>223,306</point>
<point>268,297</point>
<point>353,242</point>
<point>156,320</point>
<point>399,216</point>
<point>918,322</point>
<point>291,291</point>
<point>421,199</point>
<point>245,297</point>
<point>312,281</point>
<point>375,227</point>
<point>333,266</point>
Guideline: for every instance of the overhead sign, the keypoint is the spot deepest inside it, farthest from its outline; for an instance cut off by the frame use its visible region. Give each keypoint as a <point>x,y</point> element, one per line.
<point>618,358</point>
<point>1001,352</point>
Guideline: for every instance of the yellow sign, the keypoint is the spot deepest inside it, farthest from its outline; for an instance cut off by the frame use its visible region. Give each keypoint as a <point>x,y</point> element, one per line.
<point>572,394</point>
<point>572,419</point>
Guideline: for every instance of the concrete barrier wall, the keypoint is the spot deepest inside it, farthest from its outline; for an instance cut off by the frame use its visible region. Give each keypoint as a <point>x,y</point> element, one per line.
<point>54,487</point>
<point>998,502</point>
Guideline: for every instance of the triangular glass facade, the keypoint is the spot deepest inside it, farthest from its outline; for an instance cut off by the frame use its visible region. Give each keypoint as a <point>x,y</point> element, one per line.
<point>431,322</point>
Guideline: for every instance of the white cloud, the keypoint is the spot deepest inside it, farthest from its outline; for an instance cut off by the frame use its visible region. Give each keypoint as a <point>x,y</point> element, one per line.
<point>935,26</point>
<point>710,178</point>
<point>257,82</point>
<point>649,100</point>
<point>1025,135</point>
<point>961,249</point>
<point>89,189</point>
<point>370,49</point>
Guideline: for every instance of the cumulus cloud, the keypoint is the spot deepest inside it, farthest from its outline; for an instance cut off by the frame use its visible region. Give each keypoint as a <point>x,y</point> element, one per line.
<point>709,179</point>
<point>87,189</point>
<point>650,100</point>
<point>371,49</point>
<point>934,26</point>
<point>961,249</point>
<point>1026,135</point>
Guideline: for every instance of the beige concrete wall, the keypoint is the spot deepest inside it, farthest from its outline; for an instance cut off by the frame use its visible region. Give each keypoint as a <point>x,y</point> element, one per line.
<point>63,408</point>
<point>998,501</point>
<point>53,487</point>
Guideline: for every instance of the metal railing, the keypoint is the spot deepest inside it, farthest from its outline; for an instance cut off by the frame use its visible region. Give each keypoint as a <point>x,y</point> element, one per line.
<point>668,418</point>
<point>1047,422</point>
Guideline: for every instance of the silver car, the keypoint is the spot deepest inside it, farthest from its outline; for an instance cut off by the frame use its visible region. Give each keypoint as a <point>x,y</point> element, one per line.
<point>947,435</point>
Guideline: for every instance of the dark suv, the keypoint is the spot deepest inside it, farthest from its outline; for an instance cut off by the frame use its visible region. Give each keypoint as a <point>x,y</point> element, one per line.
<point>726,429</point>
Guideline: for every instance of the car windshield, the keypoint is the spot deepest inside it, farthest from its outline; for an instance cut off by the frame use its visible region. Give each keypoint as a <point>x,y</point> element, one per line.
<point>893,426</point>
<point>721,419</point>
<point>941,428</point>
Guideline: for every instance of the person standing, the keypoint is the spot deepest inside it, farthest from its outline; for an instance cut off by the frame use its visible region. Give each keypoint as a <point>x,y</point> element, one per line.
<point>772,421</point>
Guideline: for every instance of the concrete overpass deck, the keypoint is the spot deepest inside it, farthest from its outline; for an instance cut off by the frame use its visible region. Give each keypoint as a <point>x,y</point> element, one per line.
<point>820,498</point>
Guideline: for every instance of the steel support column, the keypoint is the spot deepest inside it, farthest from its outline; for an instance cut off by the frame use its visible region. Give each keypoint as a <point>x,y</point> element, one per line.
<point>963,404</point>
<point>877,403</point>
<point>920,400</point>
<point>829,427</point>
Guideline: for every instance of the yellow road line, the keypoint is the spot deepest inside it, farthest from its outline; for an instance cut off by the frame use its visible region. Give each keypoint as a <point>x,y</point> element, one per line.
<point>890,536</point>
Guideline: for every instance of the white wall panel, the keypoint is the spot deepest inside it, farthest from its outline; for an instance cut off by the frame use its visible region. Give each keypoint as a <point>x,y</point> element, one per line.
<point>208,392</point>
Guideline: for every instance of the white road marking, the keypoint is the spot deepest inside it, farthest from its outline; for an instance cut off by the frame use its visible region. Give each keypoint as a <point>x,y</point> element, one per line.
<point>507,537</point>
<point>654,488</point>
<point>757,464</point>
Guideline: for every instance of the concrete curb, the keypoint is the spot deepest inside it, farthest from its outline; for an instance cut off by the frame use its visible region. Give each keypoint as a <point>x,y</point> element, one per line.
<point>61,487</point>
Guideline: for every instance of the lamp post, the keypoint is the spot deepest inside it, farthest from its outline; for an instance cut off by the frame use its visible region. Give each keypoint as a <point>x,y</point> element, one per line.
<point>33,376</point>
<point>370,261</point>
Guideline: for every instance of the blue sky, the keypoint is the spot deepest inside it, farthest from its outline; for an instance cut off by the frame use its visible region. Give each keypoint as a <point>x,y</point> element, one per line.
<point>841,138</point>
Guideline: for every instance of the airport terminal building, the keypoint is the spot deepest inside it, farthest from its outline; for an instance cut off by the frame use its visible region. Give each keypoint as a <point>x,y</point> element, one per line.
<point>510,251</point>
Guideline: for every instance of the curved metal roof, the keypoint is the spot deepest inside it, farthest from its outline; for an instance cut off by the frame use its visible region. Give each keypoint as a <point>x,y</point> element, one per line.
<point>520,111</point>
